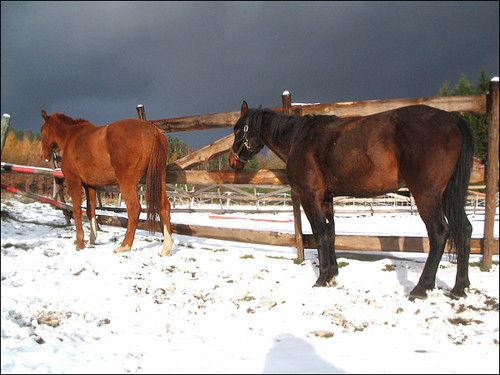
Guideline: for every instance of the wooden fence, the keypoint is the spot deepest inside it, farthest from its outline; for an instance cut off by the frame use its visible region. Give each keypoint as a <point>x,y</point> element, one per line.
<point>180,172</point>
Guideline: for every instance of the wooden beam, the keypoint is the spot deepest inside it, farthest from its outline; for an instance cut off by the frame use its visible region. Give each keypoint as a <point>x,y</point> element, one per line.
<point>491,174</point>
<point>211,121</point>
<point>262,176</point>
<point>389,243</point>
<point>286,99</point>
<point>203,155</point>
<point>472,103</point>
<point>5,129</point>
<point>477,174</point>
<point>141,112</point>
<point>343,242</point>
<point>226,234</point>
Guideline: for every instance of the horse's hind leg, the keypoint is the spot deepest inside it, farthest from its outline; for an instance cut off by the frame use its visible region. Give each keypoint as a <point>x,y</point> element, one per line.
<point>129,193</point>
<point>167,228</point>
<point>91,194</point>
<point>431,212</point>
<point>462,278</point>
<point>320,216</point>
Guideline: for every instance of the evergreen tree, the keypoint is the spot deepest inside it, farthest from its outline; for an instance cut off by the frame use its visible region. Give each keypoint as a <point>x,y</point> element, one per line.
<point>445,89</point>
<point>463,87</point>
<point>484,83</point>
<point>478,122</point>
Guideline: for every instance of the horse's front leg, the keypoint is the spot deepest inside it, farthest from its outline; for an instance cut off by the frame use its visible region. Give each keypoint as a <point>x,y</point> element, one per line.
<point>91,194</point>
<point>320,216</point>
<point>75,191</point>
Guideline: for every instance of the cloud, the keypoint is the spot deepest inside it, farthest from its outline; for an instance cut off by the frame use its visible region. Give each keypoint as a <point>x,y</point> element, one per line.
<point>97,60</point>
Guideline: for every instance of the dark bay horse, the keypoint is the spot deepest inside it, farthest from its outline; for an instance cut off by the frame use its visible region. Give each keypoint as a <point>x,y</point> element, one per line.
<point>119,153</point>
<point>426,149</point>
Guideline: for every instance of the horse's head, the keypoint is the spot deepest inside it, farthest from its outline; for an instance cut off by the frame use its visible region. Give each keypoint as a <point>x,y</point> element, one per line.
<point>49,144</point>
<point>247,141</point>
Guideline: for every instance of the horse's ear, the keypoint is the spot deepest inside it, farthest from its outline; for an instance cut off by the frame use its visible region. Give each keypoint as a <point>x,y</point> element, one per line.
<point>260,106</point>
<point>44,115</point>
<point>244,109</point>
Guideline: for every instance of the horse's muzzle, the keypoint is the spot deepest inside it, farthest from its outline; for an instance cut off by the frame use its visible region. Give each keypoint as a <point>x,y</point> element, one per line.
<point>45,157</point>
<point>234,163</point>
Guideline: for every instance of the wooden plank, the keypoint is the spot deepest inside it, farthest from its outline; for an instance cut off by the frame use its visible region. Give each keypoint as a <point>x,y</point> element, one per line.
<point>477,174</point>
<point>297,222</point>
<point>491,174</point>
<point>343,242</point>
<point>211,121</point>
<point>262,176</point>
<point>203,155</point>
<point>472,103</point>
<point>226,234</point>
<point>390,243</point>
<point>141,112</point>
<point>5,129</point>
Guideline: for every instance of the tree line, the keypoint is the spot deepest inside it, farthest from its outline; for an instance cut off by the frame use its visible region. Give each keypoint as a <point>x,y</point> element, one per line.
<point>478,122</point>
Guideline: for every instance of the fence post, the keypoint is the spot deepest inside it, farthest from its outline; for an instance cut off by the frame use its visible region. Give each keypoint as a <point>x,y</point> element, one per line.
<point>142,116</point>
<point>297,220</point>
<point>141,112</point>
<point>491,173</point>
<point>5,128</point>
<point>59,188</point>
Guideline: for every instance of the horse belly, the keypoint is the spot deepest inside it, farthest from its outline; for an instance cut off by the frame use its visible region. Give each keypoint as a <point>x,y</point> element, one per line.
<point>104,177</point>
<point>102,180</point>
<point>365,179</point>
<point>96,170</point>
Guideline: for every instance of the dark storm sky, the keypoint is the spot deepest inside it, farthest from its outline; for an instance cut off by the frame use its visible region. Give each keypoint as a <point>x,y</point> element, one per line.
<point>98,60</point>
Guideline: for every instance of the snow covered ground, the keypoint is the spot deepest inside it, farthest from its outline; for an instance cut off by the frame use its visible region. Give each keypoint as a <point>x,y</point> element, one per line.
<point>228,307</point>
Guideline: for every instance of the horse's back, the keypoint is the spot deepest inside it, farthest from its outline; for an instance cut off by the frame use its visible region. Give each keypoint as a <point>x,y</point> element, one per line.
<point>130,143</point>
<point>429,142</point>
<point>354,156</point>
<point>131,135</point>
<point>372,155</point>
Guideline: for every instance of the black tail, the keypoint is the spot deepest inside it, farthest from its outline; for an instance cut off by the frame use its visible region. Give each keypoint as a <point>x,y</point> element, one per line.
<point>456,194</point>
<point>155,179</point>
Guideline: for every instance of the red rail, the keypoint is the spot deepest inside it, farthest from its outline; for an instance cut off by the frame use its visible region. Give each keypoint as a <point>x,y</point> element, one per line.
<point>32,170</point>
<point>40,198</point>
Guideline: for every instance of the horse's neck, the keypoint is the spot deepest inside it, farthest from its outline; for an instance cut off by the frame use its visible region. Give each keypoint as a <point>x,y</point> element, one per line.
<point>279,141</point>
<point>64,132</point>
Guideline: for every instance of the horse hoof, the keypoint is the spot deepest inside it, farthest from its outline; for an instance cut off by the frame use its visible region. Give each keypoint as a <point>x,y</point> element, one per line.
<point>322,283</point>
<point>164,254</point>
<point>457,294</point>
<point>417,295</point>
<point>332,282</point>
<point>121,249</point>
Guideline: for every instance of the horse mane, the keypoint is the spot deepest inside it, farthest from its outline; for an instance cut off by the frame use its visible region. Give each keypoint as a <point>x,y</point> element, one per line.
<point>278,124</point>
<point>69,120</point>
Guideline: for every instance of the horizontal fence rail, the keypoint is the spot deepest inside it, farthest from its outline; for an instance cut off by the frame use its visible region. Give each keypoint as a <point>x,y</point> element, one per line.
<point>342,242</point>
<point>209,186</point>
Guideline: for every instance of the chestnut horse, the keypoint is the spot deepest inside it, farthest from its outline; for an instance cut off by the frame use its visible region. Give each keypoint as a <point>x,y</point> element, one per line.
<point>119,153</point>
<point>426,149</point>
